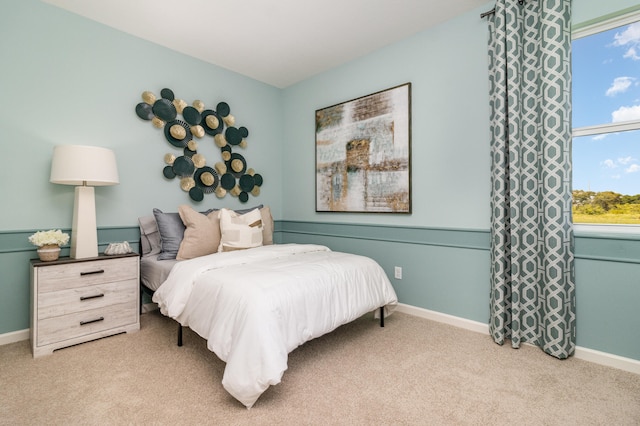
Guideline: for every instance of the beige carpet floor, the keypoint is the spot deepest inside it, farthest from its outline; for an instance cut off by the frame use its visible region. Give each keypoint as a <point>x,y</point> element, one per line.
<point>411,372</point>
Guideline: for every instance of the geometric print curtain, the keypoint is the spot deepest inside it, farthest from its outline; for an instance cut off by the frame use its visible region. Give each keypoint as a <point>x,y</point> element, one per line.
<point>532,247</point>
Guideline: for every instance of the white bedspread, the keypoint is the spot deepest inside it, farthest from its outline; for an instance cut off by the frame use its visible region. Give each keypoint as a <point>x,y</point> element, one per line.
<point>255,306</point>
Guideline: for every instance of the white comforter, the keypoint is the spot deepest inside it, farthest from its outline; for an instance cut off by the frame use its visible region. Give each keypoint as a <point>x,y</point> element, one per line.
<point>255,306</point>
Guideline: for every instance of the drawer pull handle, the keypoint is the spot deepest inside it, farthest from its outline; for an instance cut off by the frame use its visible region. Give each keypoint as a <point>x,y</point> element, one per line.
<point>92,321</point>
<point>95,296</point>
<point>99,271</point>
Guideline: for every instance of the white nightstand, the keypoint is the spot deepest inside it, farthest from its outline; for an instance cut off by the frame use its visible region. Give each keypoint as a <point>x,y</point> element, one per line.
<point>77,300</point>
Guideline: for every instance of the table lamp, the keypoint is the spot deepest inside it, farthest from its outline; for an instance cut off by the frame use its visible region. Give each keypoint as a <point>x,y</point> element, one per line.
<point>85,167</point>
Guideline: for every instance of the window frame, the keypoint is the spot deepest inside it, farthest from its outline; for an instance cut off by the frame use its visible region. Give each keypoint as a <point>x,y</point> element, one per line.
<point>596,27</point>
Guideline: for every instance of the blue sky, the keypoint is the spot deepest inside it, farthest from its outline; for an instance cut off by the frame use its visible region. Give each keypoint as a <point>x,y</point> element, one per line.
<point>606,89</point>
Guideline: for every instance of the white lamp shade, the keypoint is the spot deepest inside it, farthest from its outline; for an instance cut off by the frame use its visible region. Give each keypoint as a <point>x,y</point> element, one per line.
<point>83,165</point>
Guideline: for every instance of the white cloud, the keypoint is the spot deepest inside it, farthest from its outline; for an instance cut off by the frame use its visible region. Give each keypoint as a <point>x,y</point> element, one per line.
<point>631,54</point>
<point>626,114</point>
<point>616,177</point>
<point>622,162</point>
<point>620,85</point>
<point>600,136</point>
<point>631,35</point>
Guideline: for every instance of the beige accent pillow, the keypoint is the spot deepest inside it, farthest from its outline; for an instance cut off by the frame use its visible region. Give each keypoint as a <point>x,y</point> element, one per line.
<point>240,232</point>
<point>267,226</point>
<point>202,233</point>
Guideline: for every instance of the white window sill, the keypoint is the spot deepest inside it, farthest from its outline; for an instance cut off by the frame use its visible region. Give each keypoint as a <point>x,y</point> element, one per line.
<point>631,232</point>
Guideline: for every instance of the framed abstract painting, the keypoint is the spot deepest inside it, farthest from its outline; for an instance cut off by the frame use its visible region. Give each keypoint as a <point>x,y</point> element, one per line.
<point>363,154</point>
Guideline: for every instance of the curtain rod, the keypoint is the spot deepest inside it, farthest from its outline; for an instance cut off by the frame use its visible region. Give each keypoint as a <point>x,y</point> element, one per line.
<point>487,13</point>
<point>492,11</point>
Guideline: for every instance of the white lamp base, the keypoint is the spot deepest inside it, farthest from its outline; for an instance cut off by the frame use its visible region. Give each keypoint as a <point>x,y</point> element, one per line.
<point>84,232</point>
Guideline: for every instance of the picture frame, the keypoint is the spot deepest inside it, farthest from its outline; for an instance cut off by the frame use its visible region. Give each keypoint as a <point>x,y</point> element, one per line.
<point>363,154</point>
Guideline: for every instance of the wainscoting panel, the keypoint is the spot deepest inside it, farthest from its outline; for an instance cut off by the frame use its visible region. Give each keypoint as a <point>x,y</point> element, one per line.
<point>447,271</point>
<point>443,270</point>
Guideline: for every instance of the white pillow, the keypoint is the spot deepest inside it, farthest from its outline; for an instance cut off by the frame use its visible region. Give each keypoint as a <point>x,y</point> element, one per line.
<point>240,231</point>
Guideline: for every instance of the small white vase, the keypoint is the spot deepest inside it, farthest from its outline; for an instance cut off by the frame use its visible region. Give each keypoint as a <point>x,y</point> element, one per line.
<point>49,253</point>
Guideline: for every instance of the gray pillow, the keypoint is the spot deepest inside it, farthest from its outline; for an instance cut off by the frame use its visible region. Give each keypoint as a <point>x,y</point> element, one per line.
<point>149,235</point>
<point>239,211</point>
<point>171,231</point>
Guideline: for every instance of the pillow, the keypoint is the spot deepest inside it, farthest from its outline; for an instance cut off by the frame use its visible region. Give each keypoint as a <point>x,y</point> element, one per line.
<point>202,233</point>
<point>239,211</point>
<point>267,226</point>
<point>240,231</point>
<point>267,221</point>
<point>171,231</point>
<point>245,211</point>
<point>149,235</point>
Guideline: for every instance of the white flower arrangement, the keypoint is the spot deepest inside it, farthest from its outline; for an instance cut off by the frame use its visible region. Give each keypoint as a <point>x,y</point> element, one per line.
<point>51,237</point>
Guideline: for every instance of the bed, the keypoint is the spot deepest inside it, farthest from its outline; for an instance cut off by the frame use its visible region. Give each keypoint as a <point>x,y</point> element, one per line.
<point>256,305</point>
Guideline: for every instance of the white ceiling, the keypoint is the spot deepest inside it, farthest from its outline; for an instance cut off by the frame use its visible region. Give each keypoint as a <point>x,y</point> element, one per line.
<point>279,42</point>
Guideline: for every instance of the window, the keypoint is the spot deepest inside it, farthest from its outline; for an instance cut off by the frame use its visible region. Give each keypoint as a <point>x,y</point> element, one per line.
<point>606,120</point>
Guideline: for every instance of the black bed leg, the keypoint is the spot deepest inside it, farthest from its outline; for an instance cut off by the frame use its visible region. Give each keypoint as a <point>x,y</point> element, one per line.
<point>381,316</point>
<point>179,334</point>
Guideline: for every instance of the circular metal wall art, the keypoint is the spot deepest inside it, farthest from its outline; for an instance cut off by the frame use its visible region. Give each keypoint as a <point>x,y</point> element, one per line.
<point>144,111</point>
<point>167,94</point>
<point>209,120</point>
<point>247,182</point>
<point>183,136</point>
<point>168,172</point>
<point>196,178</point>
<point>183,166</point>
<point>164,109</point>
<point>196,193</point>
<point>223,109</point>
<point>191,115</point>
<point>207,179</point>
<point>233,136</point>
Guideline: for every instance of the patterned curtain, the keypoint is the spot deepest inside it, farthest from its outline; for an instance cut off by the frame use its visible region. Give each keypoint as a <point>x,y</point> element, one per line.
<point>532,261</point>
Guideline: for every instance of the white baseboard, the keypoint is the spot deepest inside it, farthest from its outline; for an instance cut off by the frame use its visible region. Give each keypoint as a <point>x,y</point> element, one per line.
<point>610,360</point>
<point>603,358</point>
<point>14,336</point>
<point>478,327</point>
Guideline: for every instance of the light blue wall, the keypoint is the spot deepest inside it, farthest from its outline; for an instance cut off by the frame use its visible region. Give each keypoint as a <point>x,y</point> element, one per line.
<point>447,66</point>
<point>447,69</point>
<point>69,80</point>
<point>445,268</point>
<point>66,79</point>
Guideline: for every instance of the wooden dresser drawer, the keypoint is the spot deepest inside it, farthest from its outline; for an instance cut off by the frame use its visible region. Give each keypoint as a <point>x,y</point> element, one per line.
<point>59,329</point>
<point>60,277</point>
<point>79,299</point>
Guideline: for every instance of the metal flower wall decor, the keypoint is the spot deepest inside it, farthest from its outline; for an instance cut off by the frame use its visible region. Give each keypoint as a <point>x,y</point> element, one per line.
<point>230,175</point>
